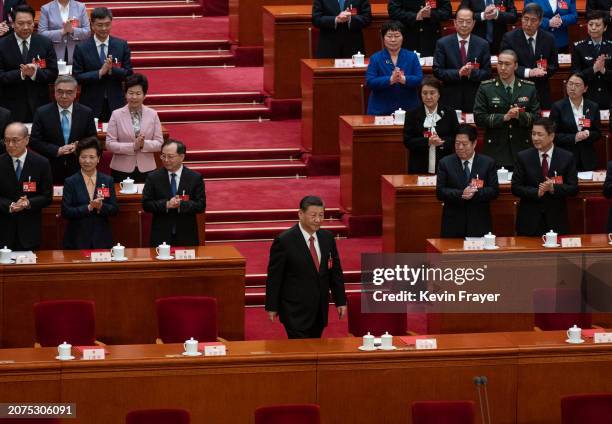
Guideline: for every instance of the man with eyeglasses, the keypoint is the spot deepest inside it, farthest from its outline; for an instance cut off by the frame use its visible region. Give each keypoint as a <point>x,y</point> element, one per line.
<point>462,61</point>
<point>492,19</point>
<point>27,66</point>
<point>100,65</point>
<point>174,195</point>
<point>25,189</point>
<point>536,52</point>
<point>58,126</point>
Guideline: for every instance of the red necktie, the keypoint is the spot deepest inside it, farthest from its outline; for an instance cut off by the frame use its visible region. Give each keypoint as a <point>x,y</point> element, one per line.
<point>463,52</point>
<point>545,166</point>
<point>313,252</point>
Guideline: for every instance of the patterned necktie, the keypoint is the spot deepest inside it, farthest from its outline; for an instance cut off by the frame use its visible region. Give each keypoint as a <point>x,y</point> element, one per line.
<point>65,126</point>
<point>18,169</point>
<point>313,252</point>
<point>466,171</point>
<point>102,53</point>
<point>463,52</point>
<point>173,188</point>
<point>545,165</point>
<point>24,51</point>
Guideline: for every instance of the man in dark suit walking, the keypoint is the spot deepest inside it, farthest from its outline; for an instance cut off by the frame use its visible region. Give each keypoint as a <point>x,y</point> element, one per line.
<point>100,65</point>
<point>58,126</point>
<point>543,178</point>
<point>25,190</point>
<point>466,183</point>
<point>492,19</point>
<point>304,266</point>
<point>536,51</point>
<point>340,23</point>
<point>462,61</point>
<point>6,18</point>
<point>27,67</point>
<point>174,195</point>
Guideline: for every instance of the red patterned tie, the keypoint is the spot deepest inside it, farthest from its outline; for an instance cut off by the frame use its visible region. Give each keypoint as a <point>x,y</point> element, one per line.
<point>463,52</point>
<point>545,166</point>
<point>313,252</point>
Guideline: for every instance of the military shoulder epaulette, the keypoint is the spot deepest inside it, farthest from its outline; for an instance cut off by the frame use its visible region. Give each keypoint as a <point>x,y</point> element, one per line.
<point>523,81</point>
<point>579,42</point>
<point>489,81</point>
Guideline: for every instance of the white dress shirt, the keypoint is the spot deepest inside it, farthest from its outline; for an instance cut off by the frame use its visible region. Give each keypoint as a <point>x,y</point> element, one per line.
<point>577,111</point>
<point>316,241</point>
<point>64,11</point>
<point>549,152</point>
<point>430,122</point>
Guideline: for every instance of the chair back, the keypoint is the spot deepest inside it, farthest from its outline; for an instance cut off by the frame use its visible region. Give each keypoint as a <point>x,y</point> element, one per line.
<point>144,228</point>
<point>595,214</point>
<point>443,412</point>
<point>181,317</point>
<point>59,321</point>
<point>158,416</point>
<point>288,414</point>
<point>360,323</point>
<point>594,408</point>
<point>557,308</point>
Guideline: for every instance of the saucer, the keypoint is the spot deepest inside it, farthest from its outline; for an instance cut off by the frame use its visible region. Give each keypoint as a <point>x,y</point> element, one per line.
<point>10,261</point>
<point>65,358</point>
<point>192,354</point>
<point>388,348</point>
<point>491,248</point>
<point>128,192</point>
<point>366,349</point>
<point>164,258</point>
<point>610,243</point>
<point>119,259</point>
<point>572,342</point>
<point>549,246</point>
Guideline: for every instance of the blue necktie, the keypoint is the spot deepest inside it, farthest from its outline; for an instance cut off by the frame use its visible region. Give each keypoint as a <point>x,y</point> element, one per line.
<point>173,184</point>
<point>466,170</point>
<point>341,4</point>
<point>489,35</point>
<point>18,169</point>
<point>102,54</point>
<point>65,126</point>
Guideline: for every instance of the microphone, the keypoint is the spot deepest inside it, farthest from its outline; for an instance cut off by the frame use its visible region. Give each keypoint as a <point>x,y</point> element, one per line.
<point>477,383</point>
<point>482,381</point>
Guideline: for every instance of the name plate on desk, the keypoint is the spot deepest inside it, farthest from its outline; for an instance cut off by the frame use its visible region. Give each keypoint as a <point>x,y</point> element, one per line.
<point>473,244</point>
<point>604,114</point>
<point>602,337</point>
<point>343,63</point>
<point>58,191</point>
<point>100,256</point>
<point>214,349</point>
<point>426,344</point>
<point>383,120</point>
<point>426,180</point>
<point>565,58</point>
<point>25,259</point>
<point>545,113</point>
<point>468,118</point>
<point>93,353</point>
<point>599,176</point>
<point>185,254</point>
<point>571,242</point>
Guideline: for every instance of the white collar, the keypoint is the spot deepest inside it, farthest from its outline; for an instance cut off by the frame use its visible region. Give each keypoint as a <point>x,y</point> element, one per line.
<point>534,36</point>
<point>69,109</point>
<point>178,172</point>
<point>98,42</point>
<point>21,158</point>
<point>467,39</point>
<point>580,107</point>
<point>470,160</point>
<point>20,40</point>
<point>306,235</point>
<point>549,152</point>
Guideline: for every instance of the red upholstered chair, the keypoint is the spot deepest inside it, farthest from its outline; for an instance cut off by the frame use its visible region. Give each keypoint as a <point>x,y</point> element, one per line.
<point>288,414</point>
<point>182,317</point>
<point>548,300</point>
<point>443,412</point>
<point>59,321</point>
<point>29,421</point>
<point>595,215</point>
<point>360,323</point>
<point>158,416</point>
<point>595,408</point>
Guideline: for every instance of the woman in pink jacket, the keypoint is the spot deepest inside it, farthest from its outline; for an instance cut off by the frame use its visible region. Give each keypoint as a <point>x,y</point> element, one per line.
<point>134,134</point>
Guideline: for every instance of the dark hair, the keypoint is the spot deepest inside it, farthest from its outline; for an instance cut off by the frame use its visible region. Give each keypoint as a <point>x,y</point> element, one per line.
<point>579,75</point>
<point>469,130</point>
<point>101,13</point>
<point>308,201</point>
<point>23,8</point>
<point>464,8</point>
<point>533,9</point>
<point>510,52</point>
<point>432,82</point>
<point>391,26</point>
<point>137,79</point>
<point>180,146</point>
<point>548,124</point>
<point>90,142</point>
<point>597,14</point>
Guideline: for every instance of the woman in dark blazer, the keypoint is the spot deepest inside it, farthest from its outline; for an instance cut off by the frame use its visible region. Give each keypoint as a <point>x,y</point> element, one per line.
<point>429,130</point>
<point>577,133</point>
<point>89,199</point>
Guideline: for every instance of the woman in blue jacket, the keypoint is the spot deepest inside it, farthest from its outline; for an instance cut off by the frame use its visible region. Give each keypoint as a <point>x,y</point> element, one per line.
<point>393,75</point>
<point>558,16</point>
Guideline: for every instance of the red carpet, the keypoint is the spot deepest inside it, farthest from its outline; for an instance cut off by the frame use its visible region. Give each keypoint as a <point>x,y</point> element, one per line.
<point>204,80</point>
<point>187,28</point>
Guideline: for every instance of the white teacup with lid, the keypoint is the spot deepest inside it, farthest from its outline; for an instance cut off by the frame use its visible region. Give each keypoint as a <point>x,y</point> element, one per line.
<point>489,241</point>
<point>191,347</point>
<point>127,185</point>
<point>118,252</point>
<point>399,117</point>
<point>368,342</point>
<point>64,351</point>
<point>5,255</point>
<point>386,341</point>
<point>163,250</point>
<point>550,239</point>
<point>358,59</point>
<point>574,334</point>
<point>502,175</point>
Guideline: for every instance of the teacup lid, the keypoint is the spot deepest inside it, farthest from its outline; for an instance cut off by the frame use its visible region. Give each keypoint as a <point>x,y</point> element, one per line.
<point>5,250</point>
<point>164,244</point>
<point>575,327</point>
<point>551,233</point>
<point>368,335</point>
<point>386,334</point>
<point>119,245</point>
<point>128,180</point>
<point>490,234</point>
<point>400,110</point>
<point>65,344</point>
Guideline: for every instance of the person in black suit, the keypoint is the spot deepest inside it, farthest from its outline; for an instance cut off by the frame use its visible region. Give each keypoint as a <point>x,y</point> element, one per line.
<point>304,266</point>
<point>58,126</point>
<point>466,182</point>
<point>340,23</point>
<point>578,125</point>
<point>607,191</point>
<point>27,67</point>
<point>6,15</point>
<point>102,80</point>
<point>429,130</point>
<point>592,57</point>
<point>492,19</point>
<point>422,20</point>
<point>462,61</point>
<point>174,195</point>
<point>5,119</point>
<point>88,200</point>
<point>536,51</point>
<point>25,189</point>
<point>544,176</point>
<point>603,6</point>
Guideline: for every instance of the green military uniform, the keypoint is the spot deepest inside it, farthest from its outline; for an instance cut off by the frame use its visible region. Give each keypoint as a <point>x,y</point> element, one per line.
<point>503,140</point>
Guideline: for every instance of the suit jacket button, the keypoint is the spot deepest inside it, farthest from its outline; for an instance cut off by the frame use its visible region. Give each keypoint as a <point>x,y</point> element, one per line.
<point>599,89</point>
<point>510,135</point>
<point>421,29</point>
<point>510,126</point>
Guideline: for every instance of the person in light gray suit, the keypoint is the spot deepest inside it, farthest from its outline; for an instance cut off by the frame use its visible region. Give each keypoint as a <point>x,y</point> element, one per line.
<point>66,24</point>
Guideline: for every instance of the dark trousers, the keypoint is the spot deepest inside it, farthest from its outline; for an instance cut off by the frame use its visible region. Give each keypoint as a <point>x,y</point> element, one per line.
<point>136,175</point>
<point>106,112</point>
<point>314,332</point>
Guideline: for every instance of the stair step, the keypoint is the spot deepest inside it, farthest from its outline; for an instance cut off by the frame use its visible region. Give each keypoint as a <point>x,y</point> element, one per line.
<point>178,45</point>
<point>256,283</point>
<point>181,59</point>
<point>256,296</point>
<point>261,230</point>
<point>243,169</point>
<point>227,112</point>
<point>168,99</point>
<point>261,215</point>
<point>150,8</point>
<point>244,154</point>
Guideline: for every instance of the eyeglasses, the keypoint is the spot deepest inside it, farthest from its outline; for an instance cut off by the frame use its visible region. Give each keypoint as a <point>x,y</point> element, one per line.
<point>66,93</point>
<point>164,156</point>
<point>14,140</point>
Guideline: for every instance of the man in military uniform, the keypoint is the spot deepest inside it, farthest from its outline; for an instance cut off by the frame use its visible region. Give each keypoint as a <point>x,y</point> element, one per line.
<point>506,108</point>
<point>592,58</point>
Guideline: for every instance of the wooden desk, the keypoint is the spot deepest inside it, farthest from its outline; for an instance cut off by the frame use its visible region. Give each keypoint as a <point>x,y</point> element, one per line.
<point>124,292</point>
<point>412,214</point>
<point>527,374</point>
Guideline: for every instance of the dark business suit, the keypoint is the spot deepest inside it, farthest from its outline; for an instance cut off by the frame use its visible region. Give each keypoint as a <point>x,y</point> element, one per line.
<point>607,191</point>
<point>104,93</point>
<point>87,230</point>
<point>544,48</point>
<point>47,137</point>
<point>22,230</point>
<point>174,226</point>
<point>9,5</point>
<point>537,215</point>
<point>420,36</point>
<point>23,97</point>
<point>459,92</point>
<point>5,119</point>
<point>507,15</point>
<point>584,151</point>
<point>466,218</point>
<point>343,39</point>
<point>296,290</point>
<point>604,6</point>
<point>418,144</point>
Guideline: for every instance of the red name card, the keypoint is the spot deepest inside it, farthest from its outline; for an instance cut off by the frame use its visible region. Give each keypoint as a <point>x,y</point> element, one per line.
<point>411,340</point>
